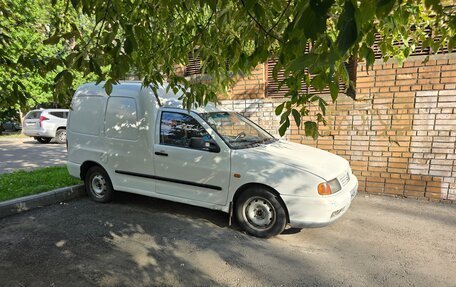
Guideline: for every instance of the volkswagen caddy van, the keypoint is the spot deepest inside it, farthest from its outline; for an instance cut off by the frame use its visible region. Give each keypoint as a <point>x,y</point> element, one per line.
<point>143,142</point>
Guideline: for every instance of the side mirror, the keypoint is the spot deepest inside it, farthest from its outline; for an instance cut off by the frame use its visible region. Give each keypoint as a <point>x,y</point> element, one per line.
<point>202,144</point>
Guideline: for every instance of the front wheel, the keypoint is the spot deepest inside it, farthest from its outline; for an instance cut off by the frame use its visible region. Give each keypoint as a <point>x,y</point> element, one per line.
<point>60,136</point>
<point>98,185</point>
<point>43,140</point>
<point>260,213</point>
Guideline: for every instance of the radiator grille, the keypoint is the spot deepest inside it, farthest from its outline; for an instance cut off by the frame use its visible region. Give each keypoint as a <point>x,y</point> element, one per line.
<point>344,179</point>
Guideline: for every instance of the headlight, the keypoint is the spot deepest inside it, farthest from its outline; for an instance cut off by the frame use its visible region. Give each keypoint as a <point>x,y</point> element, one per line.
<point>329,187</point>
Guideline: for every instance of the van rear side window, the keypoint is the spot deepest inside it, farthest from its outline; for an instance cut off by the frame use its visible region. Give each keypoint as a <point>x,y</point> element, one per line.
<point>86,118</point>
<point>122,119</point>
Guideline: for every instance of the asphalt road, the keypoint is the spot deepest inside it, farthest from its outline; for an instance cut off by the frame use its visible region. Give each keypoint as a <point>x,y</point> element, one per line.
<point>139,241</point>
<point>26,153</point>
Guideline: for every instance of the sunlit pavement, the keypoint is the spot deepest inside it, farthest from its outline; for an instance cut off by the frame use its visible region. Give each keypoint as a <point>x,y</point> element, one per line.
<point>139,241</point>
<point>27,153</point>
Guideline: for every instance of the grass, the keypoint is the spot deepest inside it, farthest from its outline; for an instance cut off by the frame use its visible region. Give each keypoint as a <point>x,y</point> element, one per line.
<point>5,135</point>
<point>22,183</point>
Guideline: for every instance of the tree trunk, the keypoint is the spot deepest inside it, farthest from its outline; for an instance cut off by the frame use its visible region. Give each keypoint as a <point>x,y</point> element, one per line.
<point>21,115</point>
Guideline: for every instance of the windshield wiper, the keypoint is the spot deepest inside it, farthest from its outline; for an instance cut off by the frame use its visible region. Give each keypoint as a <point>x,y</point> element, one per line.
<point>270,140</point>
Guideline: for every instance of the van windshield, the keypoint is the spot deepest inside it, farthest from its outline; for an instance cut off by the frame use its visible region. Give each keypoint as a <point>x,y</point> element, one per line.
<point>237,131</point>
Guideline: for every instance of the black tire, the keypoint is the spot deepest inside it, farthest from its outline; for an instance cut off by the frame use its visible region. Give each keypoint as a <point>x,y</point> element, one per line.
<point>260,213</point>
<point>43,140</point>
<point>60,136</point>
<point>98,185</point>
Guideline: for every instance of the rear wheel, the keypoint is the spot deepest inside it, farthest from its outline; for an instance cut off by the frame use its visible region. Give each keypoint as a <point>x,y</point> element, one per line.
<point>43,140</point>
<point>60,136</point>
<point>260,213</point>
<point>98,185</point>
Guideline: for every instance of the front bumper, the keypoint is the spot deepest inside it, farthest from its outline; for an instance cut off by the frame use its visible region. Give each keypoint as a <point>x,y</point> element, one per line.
<point>320,210</point>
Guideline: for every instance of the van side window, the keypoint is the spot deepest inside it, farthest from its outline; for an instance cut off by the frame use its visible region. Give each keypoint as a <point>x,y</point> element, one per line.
<point>122,119</point>
<point>176,129</point>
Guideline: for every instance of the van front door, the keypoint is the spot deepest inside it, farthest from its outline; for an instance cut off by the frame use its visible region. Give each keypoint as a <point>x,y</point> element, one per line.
<point>188,164</point>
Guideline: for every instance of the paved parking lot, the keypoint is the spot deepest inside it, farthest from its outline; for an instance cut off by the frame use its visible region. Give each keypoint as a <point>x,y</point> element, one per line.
<point>139,241</point>
<point>26,153</point>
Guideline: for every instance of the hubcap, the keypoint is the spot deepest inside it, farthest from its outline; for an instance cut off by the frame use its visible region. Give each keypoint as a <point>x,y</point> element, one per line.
<point>259,213</point>
<point>98,185</point>
<point>62,136</point>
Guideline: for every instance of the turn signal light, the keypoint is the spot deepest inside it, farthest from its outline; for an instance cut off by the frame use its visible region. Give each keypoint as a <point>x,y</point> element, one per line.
<point>324,188</point>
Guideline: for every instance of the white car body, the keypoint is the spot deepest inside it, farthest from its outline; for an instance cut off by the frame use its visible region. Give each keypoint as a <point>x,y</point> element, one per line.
<point>44,123</point>
<point>197,177</point>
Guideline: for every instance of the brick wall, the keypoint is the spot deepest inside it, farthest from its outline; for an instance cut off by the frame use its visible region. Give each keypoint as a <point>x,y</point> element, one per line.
<point>251,86</point>
<point>399,134</point>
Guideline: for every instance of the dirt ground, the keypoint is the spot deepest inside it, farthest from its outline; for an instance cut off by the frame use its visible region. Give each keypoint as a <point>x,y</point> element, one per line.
<point>139,241</point>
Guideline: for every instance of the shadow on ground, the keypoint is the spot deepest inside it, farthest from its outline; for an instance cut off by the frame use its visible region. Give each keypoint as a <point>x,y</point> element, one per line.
<point>140,241</point>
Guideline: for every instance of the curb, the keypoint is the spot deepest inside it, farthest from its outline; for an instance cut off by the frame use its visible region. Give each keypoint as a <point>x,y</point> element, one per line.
<point>25,203</point>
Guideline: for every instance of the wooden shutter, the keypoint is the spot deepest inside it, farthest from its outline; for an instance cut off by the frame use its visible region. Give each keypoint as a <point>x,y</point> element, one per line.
<point>193,67</point>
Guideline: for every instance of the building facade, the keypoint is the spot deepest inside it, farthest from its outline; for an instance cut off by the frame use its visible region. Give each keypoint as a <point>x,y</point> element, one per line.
<point>398,134</point>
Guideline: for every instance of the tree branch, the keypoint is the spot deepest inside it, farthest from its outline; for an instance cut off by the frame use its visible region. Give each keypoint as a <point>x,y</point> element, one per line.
<point>201,30</point>
<point>103,22</point>
<point>280,17</point>
<point>259,24</point>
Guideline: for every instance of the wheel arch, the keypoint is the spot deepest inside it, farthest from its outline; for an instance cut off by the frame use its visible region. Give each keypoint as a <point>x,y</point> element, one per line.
<point>247,186</point>
<point>87,165</point>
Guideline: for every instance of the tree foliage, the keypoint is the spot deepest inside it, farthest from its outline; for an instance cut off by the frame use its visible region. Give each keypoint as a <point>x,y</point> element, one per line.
<point>26,71</point>
<point>232,36</point>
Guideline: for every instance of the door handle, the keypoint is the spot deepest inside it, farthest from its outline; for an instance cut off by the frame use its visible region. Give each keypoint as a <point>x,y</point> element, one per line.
<point>161,153</point>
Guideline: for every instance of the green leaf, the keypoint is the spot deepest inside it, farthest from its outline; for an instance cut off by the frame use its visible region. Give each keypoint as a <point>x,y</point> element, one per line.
<point>348,30</point>
<point>301,62</point>
<point>94,67</point>
<point>279,109</point>
<point>366,12</point>
<point>108,87</point>
<point>369,55</point>
<point>283,128</point>
<point>435,4</point>
<point>129,45</point>
<point>285,116</point>
<point>384,7</point>
<point>54,39</point>
<point>297,117</point>
<point>334,89</point>
<point>322,104</point>
<point>370,38</point>
<point>249,4</point>
<point>212,4</point>
<point>311,129</point>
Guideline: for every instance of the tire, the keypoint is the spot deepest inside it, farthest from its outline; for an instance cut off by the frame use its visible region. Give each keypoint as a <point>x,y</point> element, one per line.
<point>98,185</point>
<point>260,213</point>
<point>43,140</point>
<point>60,136</point>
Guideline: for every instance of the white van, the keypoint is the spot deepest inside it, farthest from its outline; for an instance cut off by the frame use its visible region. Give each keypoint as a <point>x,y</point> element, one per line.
<point>137,142</point>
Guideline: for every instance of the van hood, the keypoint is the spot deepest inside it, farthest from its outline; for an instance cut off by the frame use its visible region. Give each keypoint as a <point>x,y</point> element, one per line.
<point>313,160</point>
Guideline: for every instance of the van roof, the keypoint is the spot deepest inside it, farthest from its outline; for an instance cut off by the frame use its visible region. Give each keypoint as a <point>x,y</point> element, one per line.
<point>131,88</point>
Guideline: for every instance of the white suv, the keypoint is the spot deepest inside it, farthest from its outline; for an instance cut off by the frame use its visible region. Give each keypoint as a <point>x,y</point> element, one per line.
<point>44,125</point>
